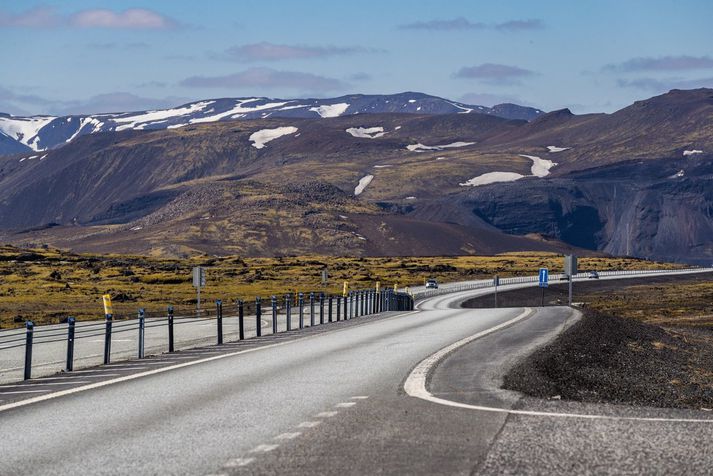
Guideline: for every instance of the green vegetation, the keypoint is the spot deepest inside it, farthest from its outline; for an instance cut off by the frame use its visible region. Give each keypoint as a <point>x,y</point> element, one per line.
<point>47,285</point>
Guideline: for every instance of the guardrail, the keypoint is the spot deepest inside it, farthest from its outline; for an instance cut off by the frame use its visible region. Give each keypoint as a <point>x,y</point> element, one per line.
<point>312,309</point>
<point>488,283</point>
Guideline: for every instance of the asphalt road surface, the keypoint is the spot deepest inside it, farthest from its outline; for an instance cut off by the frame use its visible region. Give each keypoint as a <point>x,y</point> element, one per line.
<point>408,393</point>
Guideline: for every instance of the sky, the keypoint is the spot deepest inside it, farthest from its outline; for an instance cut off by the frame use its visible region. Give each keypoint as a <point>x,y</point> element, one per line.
<point>72,57</point>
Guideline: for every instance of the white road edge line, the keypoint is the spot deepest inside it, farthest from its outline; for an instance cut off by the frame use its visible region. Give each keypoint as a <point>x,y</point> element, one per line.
<point>415,386</point>
<point>84,388</point>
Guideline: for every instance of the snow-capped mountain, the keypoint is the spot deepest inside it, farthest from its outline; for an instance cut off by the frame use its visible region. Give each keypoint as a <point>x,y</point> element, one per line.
<point>39,133</point>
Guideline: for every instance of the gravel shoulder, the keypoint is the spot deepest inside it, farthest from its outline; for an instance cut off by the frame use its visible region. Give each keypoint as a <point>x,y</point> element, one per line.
<point>605,358</point>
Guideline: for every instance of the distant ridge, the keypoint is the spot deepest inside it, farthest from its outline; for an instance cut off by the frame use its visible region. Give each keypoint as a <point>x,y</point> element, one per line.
<point>40,133</point>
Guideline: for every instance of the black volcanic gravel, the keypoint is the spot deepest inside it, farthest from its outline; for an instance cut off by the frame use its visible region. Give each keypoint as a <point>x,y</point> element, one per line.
<point>605,358</point>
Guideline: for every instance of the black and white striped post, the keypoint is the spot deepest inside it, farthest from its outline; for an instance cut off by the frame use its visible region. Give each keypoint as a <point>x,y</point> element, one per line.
<point>70,344</point>
<point>258,316</point>
<point>288,310</point>
<point>241,317</point>
<point>219,320</point>
<point>301,304</point>
<point>274,314</point>
<point>321,308</point>
<point>339,307</point>
<point>311,309</point>
<point>142,333</point>
<point>29,335</point>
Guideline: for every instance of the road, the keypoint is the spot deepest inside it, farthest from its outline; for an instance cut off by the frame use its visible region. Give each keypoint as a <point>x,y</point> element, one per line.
<point>368,396</point>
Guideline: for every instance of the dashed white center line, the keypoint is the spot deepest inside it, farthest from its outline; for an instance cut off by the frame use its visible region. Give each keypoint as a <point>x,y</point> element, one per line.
<point>288,436</point>
<point>325,414</point>
<point>238,462</point>
<point>308,424</point>
<point>345,404</point>
<point>263,448</point>
<point>360,397</point>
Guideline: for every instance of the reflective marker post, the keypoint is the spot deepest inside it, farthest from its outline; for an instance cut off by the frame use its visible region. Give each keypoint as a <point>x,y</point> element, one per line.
<point>70,344</point>
<point>301,304</point>
<point>258,317</point>
<point>311,309</point>
<point>329,308</point>
<point>219,319</point>
<point>274,314</point>
<point>29,334</point>
<point>321,308</point>
<point>288,310</point>
<point>142,325</point>
<point>170,328</point>
<point>241,323</point>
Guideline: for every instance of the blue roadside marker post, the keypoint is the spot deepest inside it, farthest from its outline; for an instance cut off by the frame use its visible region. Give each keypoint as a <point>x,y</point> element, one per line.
<point>543,278</point>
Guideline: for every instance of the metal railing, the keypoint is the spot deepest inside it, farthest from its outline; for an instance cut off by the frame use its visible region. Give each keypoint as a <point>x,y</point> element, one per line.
<point>489,283</point>
<point>276,314</point>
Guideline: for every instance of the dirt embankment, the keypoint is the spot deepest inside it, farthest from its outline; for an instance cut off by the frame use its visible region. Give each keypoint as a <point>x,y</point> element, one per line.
<point>661,355</point>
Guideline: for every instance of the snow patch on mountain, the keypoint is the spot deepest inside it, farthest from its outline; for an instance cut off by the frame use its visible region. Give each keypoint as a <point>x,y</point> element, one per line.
<point>492,177</point>
<point>421,147</point>
<point>25,129</point>
<point>540,167</point>
<point>363,183</point>
<point>263,136</point>
<point>553,149</point>
<point>131,122</point>
<point>382,166</point>
<point>331,110</point>
<point>687,153</point>
<point>239,109</point>
<point>366,132</point>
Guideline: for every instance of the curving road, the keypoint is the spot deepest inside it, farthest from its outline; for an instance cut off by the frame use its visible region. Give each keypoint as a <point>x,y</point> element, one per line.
<point>367,396</point>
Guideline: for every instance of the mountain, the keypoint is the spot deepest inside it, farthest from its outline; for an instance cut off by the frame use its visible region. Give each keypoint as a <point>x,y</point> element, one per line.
<point>633,182</point>
<point>40,133</point>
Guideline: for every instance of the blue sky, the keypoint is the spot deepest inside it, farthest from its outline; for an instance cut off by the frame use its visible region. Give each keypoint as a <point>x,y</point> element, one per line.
<point>590,56</point>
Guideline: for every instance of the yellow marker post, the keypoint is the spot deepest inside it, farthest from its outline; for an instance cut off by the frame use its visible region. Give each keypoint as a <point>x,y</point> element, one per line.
<point>378,286</point>
<point>396,287</point>
<point>345,289</point>
<point>107,305</point>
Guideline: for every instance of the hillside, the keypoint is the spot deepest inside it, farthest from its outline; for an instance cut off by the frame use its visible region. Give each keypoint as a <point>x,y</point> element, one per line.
<point>634,182</point>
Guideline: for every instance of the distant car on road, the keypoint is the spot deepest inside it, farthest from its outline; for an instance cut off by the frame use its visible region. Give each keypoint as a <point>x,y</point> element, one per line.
<point>593,275</point>
<point>431,284</point>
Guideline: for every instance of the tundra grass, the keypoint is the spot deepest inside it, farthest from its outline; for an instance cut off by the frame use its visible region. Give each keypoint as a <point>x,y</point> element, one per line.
<point>47,285</point>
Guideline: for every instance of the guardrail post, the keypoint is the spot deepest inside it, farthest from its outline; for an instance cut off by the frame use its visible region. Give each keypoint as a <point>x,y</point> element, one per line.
<point>288,310</point>
<point>142,327</point>
<point>170,328</point>
<point>29,334</point>
<point>330,301</point>
<point>107,339</point>
<point>241,321</point>
<point>346,306</point>
<point>311,309</point>
<point>274,314</point>
<point>70,344</point>
<point>258,316</point>
<point>364,297</point>
<point>301,304</point>
<point>219,320</point>
<point>321,308</point>
<point>339,307</point>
